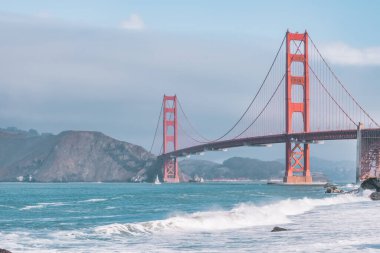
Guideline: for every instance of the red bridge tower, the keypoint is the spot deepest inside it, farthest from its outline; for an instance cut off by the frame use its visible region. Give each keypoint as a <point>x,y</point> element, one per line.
<point>170,138</point>
<point>297,153</point>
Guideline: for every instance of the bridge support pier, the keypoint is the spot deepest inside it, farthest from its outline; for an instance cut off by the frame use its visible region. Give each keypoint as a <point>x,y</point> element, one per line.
<point>368,154</point>
<point>171,171</point>
<point>358,152</point>
<point>297,164</point>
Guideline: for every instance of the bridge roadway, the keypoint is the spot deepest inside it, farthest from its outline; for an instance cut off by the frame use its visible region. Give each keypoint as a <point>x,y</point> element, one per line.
<point>310,137</point>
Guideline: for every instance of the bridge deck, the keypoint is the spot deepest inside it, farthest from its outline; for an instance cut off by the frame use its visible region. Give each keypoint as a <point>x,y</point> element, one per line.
<point>272,139</point>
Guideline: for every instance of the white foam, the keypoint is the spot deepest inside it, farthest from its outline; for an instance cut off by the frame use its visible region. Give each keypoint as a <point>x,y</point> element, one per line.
<point>323,229</point>
<point>41,205</point>
<point>352,186</point>
<point>32,207</point>
<point>241,216</point>
<point>92,200</point>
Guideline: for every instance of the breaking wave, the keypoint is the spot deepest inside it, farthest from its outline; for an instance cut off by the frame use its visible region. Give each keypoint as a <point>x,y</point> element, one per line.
<point>241,216</point>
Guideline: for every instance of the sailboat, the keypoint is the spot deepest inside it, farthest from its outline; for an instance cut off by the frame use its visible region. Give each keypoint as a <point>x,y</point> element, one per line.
<point>157,181</point>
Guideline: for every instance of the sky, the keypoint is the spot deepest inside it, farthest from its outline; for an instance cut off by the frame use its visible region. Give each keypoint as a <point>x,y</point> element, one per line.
<point>105,65</point>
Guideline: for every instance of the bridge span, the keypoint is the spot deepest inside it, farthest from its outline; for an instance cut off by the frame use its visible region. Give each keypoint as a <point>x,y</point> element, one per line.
<point>304,138</point>
<point>301,101</point>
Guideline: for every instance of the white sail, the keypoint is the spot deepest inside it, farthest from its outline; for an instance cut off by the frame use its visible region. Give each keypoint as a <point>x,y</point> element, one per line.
<point>157,181</point>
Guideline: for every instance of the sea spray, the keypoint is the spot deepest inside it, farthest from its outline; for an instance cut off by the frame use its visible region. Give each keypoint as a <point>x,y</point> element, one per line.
<point>243,215</point>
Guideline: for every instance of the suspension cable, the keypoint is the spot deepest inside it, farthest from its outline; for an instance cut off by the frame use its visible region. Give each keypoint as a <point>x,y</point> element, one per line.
<point>155,132</point>
<point>254,99</point>
<point>341,84</point>
<point>191,125</point>
<point>261,112</point>
<point>270,99</point>
<point>188,135</point>
<point>324,87</point>
<point>330,95</point>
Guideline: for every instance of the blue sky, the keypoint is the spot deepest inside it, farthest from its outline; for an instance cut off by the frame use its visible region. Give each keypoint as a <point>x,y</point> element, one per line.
<point>350,21</point>
<point>104,65</point>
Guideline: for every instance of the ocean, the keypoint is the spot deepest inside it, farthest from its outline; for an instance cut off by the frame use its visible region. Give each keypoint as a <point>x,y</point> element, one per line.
<point>208,217</point>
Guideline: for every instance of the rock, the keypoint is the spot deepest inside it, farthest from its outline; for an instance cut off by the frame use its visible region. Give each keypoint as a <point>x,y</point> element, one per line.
<point>279,229</point>
<point>371,184</point>
<point>375,196</point>
<point>4,251</point>
<point>333,189</point>
<point>330,188</point>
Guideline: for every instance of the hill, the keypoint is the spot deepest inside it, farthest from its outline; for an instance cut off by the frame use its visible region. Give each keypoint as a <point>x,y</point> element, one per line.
<point>84,156</point>
<point>254,169</point>
<point>71,156</point>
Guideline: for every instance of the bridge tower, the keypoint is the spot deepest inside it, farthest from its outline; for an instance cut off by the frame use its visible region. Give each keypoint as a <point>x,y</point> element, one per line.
<point>170,142</point>
<point>297,153</point>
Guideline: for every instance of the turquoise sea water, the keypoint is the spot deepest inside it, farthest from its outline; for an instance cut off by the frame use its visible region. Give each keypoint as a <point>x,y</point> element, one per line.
<point>210,217</point>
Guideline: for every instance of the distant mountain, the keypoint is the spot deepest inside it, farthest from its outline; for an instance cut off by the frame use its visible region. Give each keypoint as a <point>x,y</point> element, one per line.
<point>71,156</point>
<point>338,171</point>
<point>254,169</point>
<point>206,169</point>
<point>84,156</point>
<point>233,168</point>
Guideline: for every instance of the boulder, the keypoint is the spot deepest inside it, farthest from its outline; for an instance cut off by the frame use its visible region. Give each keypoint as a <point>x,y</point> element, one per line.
<point>372,183</point>
<point>375,196</point>
<point>333,189</point>
<point>279,229</point>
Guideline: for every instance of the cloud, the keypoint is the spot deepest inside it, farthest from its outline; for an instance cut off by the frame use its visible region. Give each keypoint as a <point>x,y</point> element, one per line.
<point>57,76</point>
<point>134,22</point>
<point>343,54</point>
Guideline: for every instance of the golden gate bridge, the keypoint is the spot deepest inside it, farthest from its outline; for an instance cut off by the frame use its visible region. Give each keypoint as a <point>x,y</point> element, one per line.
<point>300,102</point>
